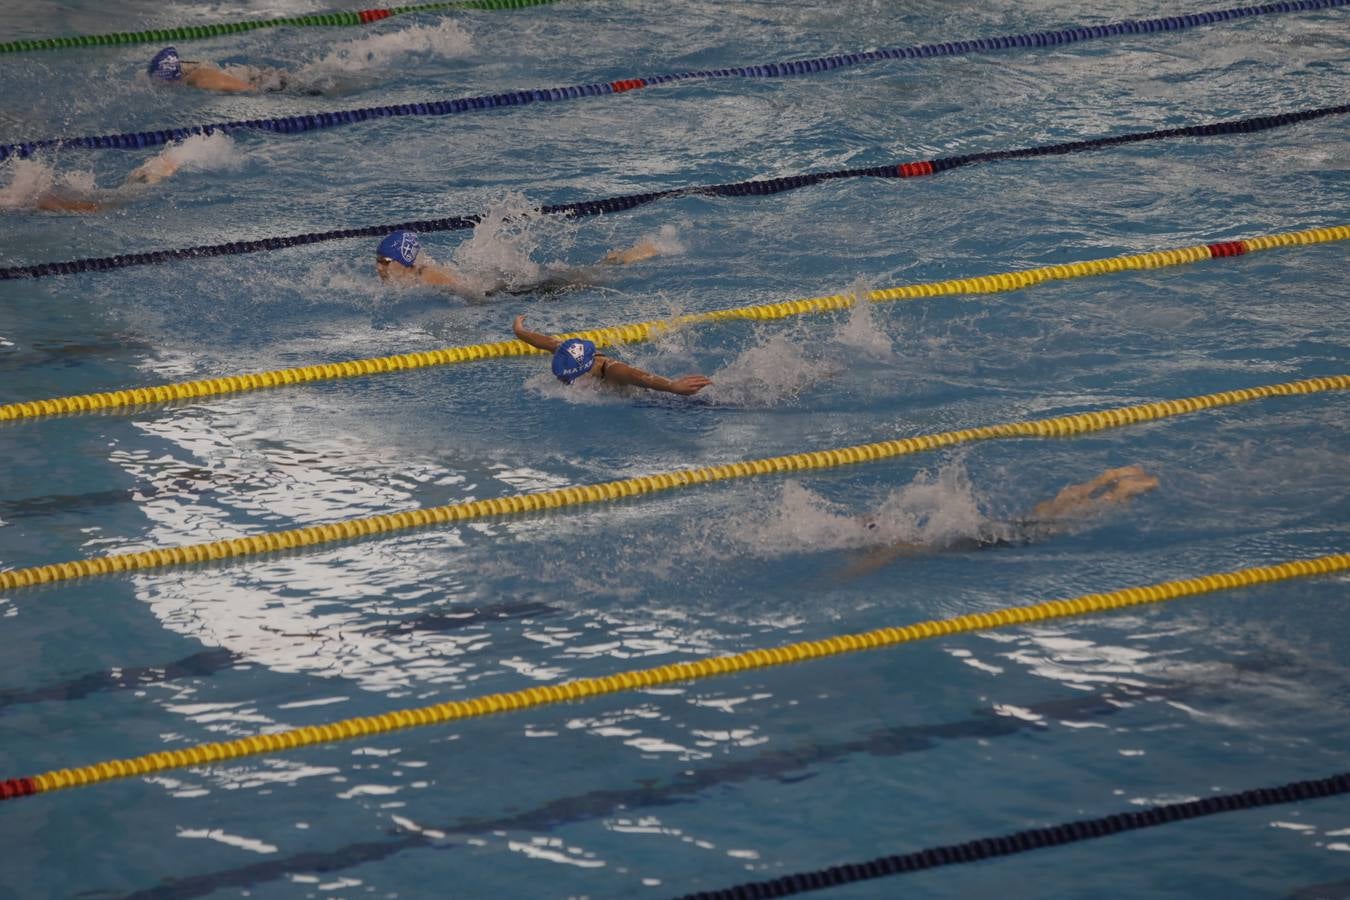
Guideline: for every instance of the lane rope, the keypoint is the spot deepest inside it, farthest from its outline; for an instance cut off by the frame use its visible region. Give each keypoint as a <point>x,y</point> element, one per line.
<point>605,492</point>
<point>198,32</point>
<point>317,121</point>
<point>642,331</point>
<point>584,688</point>
<point>753,188</point>
<point>1030,839</point>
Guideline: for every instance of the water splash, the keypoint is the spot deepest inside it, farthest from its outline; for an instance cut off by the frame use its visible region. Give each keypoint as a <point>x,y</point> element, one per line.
<point>29,180</point>
<point>860,331</point>
<point>775,371</point>
<point>32,181</point>
<point>344,67</point>
<point>936,510</point>
<point>203,152</point>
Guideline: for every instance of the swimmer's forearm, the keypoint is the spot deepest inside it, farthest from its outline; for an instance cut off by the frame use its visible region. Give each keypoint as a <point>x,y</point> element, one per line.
<point>534,338</point>
<point>622,373</point>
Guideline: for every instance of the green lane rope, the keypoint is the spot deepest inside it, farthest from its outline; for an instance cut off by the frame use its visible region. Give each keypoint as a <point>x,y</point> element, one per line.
<point>198,32</point>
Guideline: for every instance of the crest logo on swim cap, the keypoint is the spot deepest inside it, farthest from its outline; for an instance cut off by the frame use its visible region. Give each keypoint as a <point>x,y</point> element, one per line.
<point>166,65</point>
<point>402,247</point>
<point>573,358</point>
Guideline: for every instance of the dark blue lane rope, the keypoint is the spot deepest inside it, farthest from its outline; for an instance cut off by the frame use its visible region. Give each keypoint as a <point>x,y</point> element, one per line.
<point>315,121</point>
<point>630,201</point>
<point>1032,839</point>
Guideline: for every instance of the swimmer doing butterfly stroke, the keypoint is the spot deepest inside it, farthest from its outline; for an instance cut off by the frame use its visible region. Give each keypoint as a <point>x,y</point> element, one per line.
<point>399,259</point>
<point>576,358</point>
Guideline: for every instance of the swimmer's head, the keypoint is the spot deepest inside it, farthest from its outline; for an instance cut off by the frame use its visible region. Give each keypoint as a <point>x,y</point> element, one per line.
<point>166,65</point>
<point>400,247</point>
<point>573,358</point>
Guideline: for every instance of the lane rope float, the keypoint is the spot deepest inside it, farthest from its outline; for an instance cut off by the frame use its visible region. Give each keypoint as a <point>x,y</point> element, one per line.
<point>321,120</point>
<point>584,688</point>
<point>579,495</point>
<point>1029,839</point>
<point>642,331</point>
<point>753,188</point>
<point>199,32</point>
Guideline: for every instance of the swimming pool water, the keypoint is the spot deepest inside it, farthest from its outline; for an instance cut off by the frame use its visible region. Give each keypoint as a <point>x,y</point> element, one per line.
<point>707,784</point>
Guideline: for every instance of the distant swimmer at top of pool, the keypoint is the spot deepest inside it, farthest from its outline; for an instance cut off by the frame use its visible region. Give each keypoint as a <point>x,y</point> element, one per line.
<point>399,259</point>
<point>575,358</point>
<point>168,67</point>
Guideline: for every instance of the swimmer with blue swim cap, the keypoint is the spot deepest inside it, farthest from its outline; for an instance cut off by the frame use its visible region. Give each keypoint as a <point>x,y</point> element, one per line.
<point>168,67</point>
<point>577,357</point>
<point>573,358</point>
<point>399,259</point>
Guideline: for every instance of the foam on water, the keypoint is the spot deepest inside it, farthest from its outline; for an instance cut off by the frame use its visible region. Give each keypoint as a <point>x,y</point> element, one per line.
<point>28,180</point>
<point>936,509</point>
<point>786,362</point>
<point>350,63</point>
<point>203,153</point>
<point>32,180</point>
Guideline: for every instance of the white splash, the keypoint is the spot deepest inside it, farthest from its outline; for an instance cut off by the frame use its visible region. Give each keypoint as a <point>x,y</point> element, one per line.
<point>859,332</point>
<point>935,510</point>
<point>773,372</point>
<point>500,249</point>
<point>203,153</point>
<point>29,180</point>
<point>341,67</point>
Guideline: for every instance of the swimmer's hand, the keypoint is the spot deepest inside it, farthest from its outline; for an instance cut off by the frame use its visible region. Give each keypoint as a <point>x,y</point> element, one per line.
<point>643,249</point>
<point>689,384</point>
<point>153,170</point>
<point>543,342</point>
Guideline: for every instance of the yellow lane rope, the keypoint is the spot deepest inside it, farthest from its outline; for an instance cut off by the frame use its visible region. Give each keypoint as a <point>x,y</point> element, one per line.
<point>1061,426</point>
<point>984,284</point>
<point>580,689</point>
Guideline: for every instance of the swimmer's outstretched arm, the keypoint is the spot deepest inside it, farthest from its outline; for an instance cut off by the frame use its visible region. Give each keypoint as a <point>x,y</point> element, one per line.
<point>643,249</point>
<point>544,342</point>
<point>612,370</point>
<point>1111,486</point>
<point>622,373</point>
<point>52,202</point>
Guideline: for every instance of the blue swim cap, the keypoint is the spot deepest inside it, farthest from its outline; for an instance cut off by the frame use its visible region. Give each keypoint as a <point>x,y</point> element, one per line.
<point>166,65</point>
<point>401,247</point>
<point>573,358</point>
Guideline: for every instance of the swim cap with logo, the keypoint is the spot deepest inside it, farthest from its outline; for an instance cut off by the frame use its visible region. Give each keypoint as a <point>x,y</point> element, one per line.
<point>401,246</point>
<point>166,65</point>
<point>573,358</point>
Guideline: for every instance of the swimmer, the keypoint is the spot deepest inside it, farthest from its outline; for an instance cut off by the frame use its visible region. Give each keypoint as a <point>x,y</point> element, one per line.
<point>399,260</point>
<point>575,358</point>
<point>168,67</point>
<point>64,199</point>
<point>1046,519</point>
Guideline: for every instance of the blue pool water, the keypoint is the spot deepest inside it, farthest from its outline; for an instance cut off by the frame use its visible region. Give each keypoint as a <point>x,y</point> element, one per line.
<point>702,785</point>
